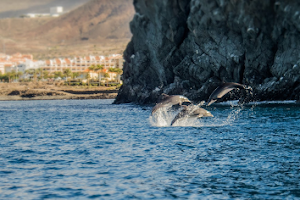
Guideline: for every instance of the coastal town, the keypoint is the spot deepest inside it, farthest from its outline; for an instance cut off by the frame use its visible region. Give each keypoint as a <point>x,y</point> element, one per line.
<point>22,67</point>
<point>78,77</point>
<point>74,72</point>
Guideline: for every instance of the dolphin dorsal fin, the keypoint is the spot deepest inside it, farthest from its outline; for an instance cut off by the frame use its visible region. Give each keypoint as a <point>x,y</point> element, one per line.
<point>164,96</point>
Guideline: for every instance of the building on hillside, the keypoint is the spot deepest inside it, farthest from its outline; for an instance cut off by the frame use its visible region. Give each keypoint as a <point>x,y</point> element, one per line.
<point>117,59</point>
<point>59,64</point>
<point>25,62</point>
<point>92,74</point>
<point>18,57</point>
<point>34,15</point>
<point>29,64</point>
<point>103,75</point>
<point>3,56</point>
<point>56,11</point>
<point>80,64</point>
<point>10,63</point>
<point>5,66</point>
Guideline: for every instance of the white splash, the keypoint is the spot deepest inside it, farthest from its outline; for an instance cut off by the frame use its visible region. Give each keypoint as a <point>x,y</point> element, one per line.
<point>164,117</point>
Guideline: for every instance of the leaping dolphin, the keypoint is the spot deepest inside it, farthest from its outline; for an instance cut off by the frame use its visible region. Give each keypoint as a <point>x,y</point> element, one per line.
<point>223,89</point>
<point>169,101</point>
<point>191,111</point>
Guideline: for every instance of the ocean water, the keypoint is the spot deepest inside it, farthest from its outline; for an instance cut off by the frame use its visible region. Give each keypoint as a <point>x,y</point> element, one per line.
<point>93,149</point>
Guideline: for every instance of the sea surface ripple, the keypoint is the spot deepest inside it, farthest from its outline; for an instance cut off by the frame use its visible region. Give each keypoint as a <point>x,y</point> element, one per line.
<point>93,149</point>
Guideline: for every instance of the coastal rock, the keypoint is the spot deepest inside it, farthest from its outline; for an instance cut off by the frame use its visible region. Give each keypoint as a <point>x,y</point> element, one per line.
<point>190,46</point>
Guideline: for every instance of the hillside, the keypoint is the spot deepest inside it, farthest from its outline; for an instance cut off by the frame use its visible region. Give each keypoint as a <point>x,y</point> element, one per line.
<point>99,26</point>
<point>98,19</point>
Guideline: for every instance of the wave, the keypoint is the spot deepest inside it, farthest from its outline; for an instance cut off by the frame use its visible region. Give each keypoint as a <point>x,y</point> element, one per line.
<point>273,102</point>
<point>236,103</point>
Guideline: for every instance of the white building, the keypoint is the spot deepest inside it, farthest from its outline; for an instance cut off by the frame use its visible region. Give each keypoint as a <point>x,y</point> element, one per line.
<point>2,69</point>
<point>34,15</point>
<point>30,64</point>
<point>80,64</point>
<point>56,11</point>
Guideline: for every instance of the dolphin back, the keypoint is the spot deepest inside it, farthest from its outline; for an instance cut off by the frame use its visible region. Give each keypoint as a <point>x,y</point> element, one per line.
<point>223,89</point>
<point>167,102</point>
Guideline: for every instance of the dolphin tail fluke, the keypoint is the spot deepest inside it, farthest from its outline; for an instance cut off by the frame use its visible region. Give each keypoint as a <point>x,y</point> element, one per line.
<point>181,114</point>
<point>174,120</point>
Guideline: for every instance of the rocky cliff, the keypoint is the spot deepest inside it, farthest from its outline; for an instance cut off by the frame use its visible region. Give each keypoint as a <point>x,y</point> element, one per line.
<point>190,46</point>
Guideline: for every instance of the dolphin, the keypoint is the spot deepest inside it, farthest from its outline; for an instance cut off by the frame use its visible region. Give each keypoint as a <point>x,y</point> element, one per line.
<point>223,89</point>
<point>191,111</point>
<point>170,100</point>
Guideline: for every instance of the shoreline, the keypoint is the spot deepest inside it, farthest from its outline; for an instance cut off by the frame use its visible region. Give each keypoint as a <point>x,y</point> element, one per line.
<point>40,91</point>
<point>59,97</point>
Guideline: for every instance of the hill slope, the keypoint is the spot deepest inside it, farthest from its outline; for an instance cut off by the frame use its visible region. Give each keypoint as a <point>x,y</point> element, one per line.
<point>99,26</point>
<point>98,19</point>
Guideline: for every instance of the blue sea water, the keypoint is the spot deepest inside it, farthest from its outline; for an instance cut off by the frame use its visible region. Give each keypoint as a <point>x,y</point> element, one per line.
<point>93,149</point>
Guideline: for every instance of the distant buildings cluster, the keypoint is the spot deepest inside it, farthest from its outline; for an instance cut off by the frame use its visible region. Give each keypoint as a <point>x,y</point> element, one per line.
<point>54,12</point>
<point>80,64</point>
<point>9,63</point>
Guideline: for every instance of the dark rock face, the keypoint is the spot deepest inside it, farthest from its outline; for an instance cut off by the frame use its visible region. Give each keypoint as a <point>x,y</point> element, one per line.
<point>189,47</point>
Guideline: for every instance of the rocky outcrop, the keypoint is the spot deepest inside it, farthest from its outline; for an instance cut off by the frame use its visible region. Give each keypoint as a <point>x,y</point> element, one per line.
<point>190,46</point>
